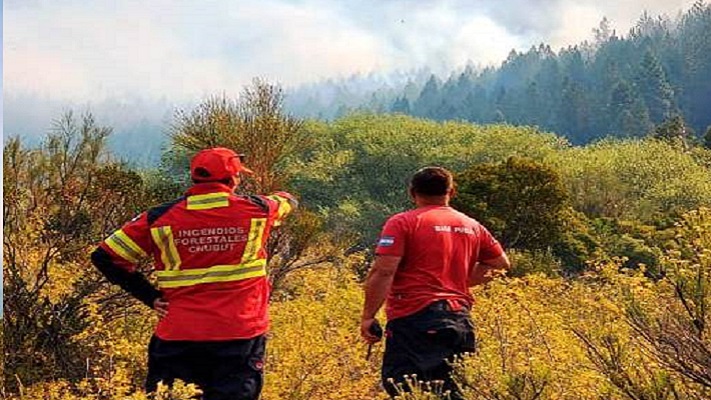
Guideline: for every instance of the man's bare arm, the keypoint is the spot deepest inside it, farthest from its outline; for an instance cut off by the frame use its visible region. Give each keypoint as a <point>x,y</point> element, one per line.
<point>378,282</point>
<point>486,270</point>
<point>377,286</point>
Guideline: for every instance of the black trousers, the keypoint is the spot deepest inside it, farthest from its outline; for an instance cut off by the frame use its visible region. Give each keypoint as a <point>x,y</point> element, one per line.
<point>423,343</point>
<point>223,370</point>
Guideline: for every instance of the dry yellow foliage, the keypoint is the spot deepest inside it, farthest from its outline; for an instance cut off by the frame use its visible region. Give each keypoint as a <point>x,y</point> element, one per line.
<point>538,338</point>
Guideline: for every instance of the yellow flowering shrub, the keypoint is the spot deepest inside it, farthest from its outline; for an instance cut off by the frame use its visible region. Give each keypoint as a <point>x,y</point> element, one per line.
<point>527,343</point>
<point>62,390</point>
<point>526,334</point>
<point>538,337</point>
<point>314,350</point>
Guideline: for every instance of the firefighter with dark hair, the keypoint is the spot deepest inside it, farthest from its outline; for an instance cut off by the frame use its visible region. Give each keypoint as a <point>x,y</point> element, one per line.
<point>426,260</point>
<point>208,249</point>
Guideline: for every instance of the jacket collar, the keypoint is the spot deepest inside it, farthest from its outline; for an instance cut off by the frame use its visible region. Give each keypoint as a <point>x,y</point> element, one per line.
<point>208,187</point>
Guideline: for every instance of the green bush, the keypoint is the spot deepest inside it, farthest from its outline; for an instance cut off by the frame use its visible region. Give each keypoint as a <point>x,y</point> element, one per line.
<point>521,201</point>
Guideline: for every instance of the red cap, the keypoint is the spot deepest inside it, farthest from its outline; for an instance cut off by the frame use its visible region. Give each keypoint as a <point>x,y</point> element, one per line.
<point>216,164</point>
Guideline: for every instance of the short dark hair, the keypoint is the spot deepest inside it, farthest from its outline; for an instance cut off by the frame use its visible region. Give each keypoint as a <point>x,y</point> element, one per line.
<point>432,181</point>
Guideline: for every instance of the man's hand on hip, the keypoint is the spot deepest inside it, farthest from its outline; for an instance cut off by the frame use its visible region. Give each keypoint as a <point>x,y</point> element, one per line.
<point>161,307</point>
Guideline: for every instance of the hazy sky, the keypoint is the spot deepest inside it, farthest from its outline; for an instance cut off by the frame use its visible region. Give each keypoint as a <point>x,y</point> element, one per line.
<point>81,50</point>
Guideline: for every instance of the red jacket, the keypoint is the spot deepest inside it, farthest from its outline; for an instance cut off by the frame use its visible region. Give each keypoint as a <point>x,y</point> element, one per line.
<point>208,249</point>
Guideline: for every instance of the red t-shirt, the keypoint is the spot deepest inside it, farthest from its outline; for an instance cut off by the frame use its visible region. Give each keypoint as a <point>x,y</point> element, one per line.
<point>439,246</point>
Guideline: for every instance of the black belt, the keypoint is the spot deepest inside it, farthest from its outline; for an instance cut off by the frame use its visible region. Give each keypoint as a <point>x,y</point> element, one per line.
<point>443,305</point>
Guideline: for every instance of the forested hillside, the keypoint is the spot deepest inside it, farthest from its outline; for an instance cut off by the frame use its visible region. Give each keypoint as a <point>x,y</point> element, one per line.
<point>619,84</point>
<point>611,250</point>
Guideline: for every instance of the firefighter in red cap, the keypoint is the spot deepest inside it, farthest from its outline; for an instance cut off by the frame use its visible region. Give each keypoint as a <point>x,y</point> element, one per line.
<point>208,248</point>
<point>425,262</point>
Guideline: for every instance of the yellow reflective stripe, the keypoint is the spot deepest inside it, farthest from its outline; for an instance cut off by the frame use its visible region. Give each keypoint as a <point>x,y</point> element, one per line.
<point>217,273</point>
<point>163,237</point>
<point>207,201</point>
<point>197,272</point>
<point>124,246</point>
<point>284,208</point>
<point>254,240</point>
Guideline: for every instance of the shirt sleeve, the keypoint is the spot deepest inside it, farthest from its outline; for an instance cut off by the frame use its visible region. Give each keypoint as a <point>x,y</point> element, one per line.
<point>393,238</point>
<point>117,256</point>
<point>129,244</point>
<point>285,204</point>
<point>489,247</point>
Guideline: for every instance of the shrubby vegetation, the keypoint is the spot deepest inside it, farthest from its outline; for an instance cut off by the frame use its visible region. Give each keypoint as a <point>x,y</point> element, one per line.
<point>611,244</point>
<point>611,198</point>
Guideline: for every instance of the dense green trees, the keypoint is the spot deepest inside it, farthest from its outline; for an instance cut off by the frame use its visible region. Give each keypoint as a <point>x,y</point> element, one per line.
<point>620,86</point>
<point>674,129</point>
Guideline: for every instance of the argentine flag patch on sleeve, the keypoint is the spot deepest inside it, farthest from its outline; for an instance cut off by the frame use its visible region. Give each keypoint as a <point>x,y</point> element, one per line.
<point>386,241</point>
